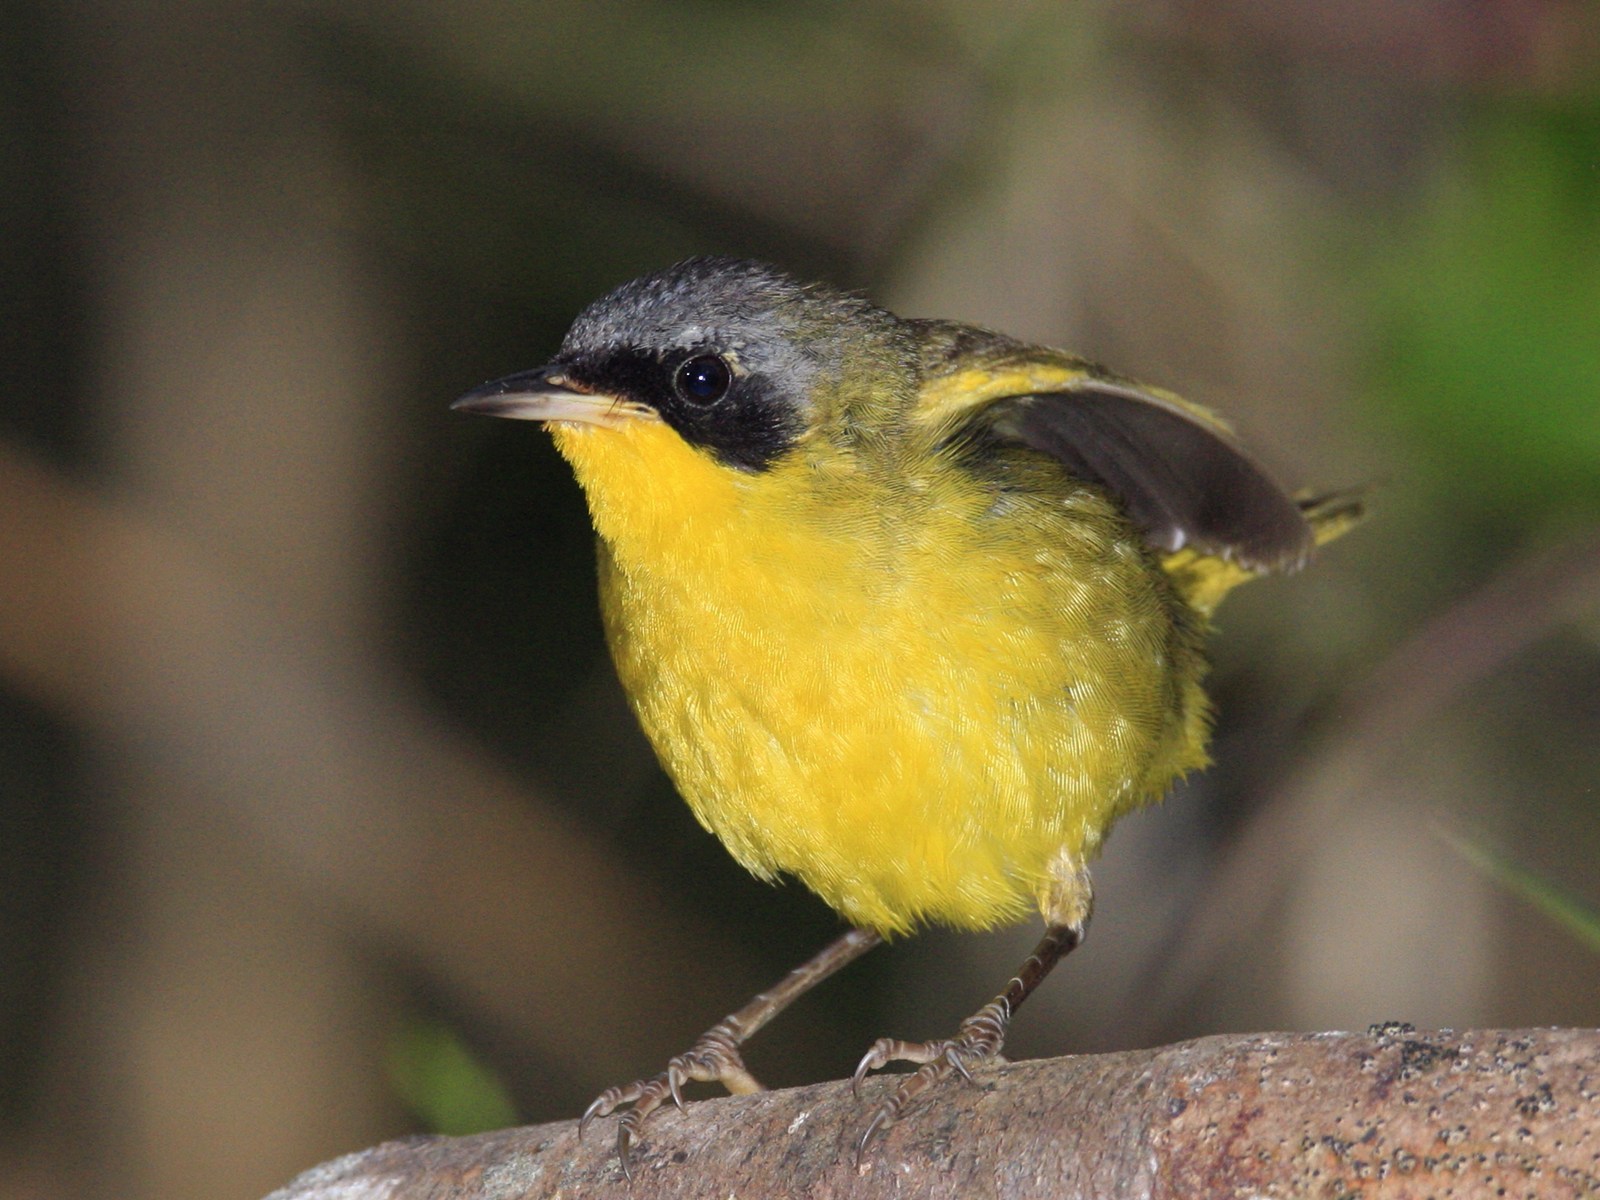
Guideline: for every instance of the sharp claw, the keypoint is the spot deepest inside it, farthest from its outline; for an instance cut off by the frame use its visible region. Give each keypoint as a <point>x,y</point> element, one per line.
<point>597,1109</point>
<point>955,1059</point>
<point>862,1068</point>
<point>880,1055</point>
<point>624,1145</point>
<point>881,1120</point>
<point>645,1096</point>
<point>973,1044</point>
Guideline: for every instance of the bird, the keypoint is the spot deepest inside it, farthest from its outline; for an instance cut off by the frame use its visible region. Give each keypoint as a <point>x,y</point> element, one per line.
<point>910,610</point>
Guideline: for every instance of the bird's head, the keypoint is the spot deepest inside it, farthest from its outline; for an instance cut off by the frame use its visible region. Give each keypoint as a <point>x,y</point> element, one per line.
<point>741,361</point>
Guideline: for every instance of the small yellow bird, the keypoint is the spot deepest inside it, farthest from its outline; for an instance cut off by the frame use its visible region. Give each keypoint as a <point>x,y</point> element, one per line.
<point>910,610</point>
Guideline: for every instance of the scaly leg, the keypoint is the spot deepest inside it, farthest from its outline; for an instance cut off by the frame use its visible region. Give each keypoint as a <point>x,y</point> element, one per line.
<point>977,1040</point>
<point>715,1058</point>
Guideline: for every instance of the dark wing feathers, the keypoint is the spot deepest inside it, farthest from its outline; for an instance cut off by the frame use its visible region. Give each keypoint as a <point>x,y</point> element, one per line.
<point>1183,481</point>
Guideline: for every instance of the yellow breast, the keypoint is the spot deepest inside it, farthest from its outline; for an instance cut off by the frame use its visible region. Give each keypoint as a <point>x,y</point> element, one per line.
<point>909,691</point>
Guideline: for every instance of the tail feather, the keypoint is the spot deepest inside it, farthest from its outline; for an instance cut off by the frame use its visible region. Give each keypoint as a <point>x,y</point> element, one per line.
<point>1204,579</point>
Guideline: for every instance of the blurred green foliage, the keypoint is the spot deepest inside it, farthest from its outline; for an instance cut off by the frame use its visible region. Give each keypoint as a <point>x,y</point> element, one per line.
<point>444,1084</point>
<point>1486,314</point>
<point>1554,901</point>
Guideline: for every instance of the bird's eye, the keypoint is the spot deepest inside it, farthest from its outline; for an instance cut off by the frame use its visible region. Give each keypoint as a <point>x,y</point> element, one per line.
<point>703,379</point>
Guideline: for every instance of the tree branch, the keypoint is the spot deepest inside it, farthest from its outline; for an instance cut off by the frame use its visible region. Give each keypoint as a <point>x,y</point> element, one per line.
<point>1390,1113</point>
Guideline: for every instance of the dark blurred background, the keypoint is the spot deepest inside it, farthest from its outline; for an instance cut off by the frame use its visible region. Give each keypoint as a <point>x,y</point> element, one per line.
<point>310,755</point>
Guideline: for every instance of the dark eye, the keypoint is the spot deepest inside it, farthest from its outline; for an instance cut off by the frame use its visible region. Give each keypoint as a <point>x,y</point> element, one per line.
<point>703,379</point>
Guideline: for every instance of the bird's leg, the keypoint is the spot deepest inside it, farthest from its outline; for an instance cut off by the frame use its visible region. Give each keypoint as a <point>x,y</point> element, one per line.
<point>978,1039</point>
<point>715,1058</point>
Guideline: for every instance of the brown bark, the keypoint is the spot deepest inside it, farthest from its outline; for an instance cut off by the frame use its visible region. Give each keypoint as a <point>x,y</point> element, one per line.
<point>1390,1113</point>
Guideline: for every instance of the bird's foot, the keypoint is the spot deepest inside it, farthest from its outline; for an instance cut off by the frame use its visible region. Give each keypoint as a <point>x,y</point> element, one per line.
<point>978,1041</point>
<point>714,1058</point>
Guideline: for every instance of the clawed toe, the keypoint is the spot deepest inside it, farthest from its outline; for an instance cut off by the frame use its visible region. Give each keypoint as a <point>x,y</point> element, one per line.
<point>978,1041</point>
<point>713,1059</point>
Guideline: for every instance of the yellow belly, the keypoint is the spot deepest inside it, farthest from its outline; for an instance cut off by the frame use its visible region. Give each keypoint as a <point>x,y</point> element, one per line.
<point>920,710</point>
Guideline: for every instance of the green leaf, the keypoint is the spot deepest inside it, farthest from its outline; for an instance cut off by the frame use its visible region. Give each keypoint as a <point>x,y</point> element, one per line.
<point>448,1089</point>
<point>1485,311</point>
<point>1561,906</point>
